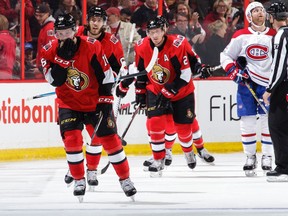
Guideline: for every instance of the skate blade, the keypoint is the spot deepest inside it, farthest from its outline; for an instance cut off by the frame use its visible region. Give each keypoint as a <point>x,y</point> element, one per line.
<point>92,188</point>
<point>80,199</point>
<point>69,185</point>
<point>209,163</point>
<point>250,173</point>
<point>282,178</point>
<point>156,174</point>
<point>132,198</point>
<point>265,172</point>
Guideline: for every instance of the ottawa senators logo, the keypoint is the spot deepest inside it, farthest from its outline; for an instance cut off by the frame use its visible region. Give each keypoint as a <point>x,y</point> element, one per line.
<point>110,123</point>
<point>160,74</point>
<point>189,114</point>
<point>76,80</point>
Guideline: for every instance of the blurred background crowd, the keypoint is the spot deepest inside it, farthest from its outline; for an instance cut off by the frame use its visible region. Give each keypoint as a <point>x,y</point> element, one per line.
<point>207,24</point>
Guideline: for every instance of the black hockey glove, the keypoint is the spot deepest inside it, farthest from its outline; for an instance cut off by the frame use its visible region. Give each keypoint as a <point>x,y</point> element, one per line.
<point>205,72</point>
<point>105,106</point>
<point>141,98</point>
<point>67,50</point>
<point>167,92</point>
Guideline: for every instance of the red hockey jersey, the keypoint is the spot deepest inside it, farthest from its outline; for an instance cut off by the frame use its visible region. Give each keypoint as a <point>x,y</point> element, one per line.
<point>88,71</point>
<point>112,48</point>
<point>172,65</point>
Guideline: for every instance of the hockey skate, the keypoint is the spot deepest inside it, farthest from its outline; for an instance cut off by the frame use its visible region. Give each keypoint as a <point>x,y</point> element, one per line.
<point>266,163</point>
<point>68,179</point>
<point>79,189</point>
<point>250,166</point>
<point>191,159</point>
<point>156,168</point>
<point>147,163</point>
<point>205,156</point>
<point>274,176</point>
<point>168,157</point>
<point>128,187</point>
<point>92,179</point>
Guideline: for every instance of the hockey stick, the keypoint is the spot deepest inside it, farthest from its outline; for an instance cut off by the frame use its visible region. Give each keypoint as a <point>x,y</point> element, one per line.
<point>147,69</point>
<point>123,135</point>
<point>40,96</point>
<point>130,122</point>
<point>255,97</point>
<point>130,41</point>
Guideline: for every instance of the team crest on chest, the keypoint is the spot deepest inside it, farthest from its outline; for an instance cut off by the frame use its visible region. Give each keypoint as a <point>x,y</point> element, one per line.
<point>160,74</point>
<point>76,79</point>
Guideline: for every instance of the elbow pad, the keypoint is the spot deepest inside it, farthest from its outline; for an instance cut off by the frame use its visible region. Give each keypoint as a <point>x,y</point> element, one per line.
<point>58,75</point>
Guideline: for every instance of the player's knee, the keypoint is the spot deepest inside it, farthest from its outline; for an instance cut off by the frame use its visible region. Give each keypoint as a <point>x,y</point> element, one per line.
<point>73,140</point>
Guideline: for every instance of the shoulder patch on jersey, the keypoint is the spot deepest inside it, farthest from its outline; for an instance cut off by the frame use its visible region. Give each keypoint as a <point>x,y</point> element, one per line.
<point>48,46</point>
<point>50,33</point>
<point>139,42</point>
<point>91,40</point>
<point>114,39</point>
<point>178,41</point>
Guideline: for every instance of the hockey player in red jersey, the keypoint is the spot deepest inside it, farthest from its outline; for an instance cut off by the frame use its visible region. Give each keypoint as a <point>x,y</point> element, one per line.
<point>112,49</point>
<point>169,83</point>
<point>247,60</point>
<point>78,68</point>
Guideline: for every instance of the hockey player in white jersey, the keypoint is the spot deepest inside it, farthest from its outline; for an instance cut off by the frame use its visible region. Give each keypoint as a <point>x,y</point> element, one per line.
<point>247,60</point>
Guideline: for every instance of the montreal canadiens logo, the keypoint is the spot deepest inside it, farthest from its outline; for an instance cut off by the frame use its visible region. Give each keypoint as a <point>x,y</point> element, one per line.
<point>257,52</point>
<point>76,80</point>
<point>159,74</point>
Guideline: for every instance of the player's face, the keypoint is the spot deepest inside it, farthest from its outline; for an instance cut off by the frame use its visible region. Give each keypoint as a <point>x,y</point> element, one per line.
<point>258,15</point>
<point>65,34</point>
<point>96,24</point>
<point>156,35</point>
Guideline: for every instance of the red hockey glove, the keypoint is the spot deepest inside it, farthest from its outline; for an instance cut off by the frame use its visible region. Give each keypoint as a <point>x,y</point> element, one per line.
<point>237,75</point>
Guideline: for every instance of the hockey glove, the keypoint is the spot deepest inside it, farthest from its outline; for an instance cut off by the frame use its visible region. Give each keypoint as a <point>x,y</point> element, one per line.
<point>105,106</point>
<point>140,98</point>
<point>205,72</point>
<point>122,89</point>
<point>67,50</point>
<point>167,92</point>
<point>237,75</point>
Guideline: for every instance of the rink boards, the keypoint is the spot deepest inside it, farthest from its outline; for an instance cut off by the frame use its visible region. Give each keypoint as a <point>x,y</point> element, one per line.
<point>32,125</point>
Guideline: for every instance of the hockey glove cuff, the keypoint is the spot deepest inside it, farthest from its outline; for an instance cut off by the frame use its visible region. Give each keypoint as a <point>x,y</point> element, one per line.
<point>238,76</point>
<point>121,91</point>
<point>105,106</point>
<point>140,98</point>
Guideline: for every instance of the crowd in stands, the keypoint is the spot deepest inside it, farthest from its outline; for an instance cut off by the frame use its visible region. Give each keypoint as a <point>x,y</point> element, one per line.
<point>207,24</point>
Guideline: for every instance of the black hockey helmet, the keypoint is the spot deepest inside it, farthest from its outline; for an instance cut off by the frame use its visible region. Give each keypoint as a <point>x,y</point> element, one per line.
<point>65,21</point>
<point>278,10</point>
<point>97,12</point>
<point>158,22</point>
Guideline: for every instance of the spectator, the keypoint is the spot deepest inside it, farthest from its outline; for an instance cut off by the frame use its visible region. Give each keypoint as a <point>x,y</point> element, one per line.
<point>209,51</point>
<point>146,12</point>
<point>91,3</point>
<point>7,50</point>
<point>45,19</point>
<point>125,15</point>
<point>69,7</point>
<point>122,31</point>
<point>182,28</point>
<point>31,71</point>
<point>29,12</point>
<point>8,11</point>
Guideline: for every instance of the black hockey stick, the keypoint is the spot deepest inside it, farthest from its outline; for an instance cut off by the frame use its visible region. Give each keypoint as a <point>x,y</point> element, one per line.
<point>130,122</point>
<point>123,136</point>
<point>211,69</point>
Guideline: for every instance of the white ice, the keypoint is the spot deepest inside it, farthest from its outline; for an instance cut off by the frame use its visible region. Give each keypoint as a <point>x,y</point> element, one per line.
<point>37,188</point>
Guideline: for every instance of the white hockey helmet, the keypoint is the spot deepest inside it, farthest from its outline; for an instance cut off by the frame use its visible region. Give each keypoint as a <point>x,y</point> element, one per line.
<point>249,9</point>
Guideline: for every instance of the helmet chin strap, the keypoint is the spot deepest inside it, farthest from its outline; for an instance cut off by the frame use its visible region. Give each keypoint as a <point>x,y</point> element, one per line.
<point>258,26</point>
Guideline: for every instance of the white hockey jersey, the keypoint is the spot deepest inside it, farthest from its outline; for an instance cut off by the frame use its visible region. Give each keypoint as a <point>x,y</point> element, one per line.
<point>256,47</point>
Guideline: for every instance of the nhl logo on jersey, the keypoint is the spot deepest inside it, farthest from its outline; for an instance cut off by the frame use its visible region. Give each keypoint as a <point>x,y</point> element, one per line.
<point>76,80</point>
<point>160,74</point>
